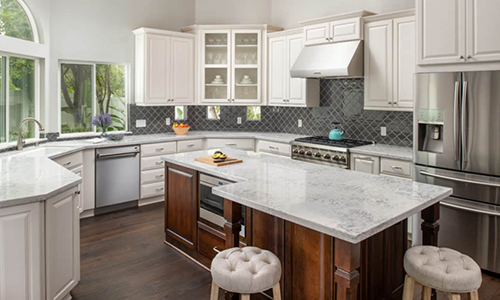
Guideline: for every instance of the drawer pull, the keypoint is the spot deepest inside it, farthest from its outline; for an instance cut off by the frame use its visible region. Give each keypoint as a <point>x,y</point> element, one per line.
<point>364,158</point>
<point>159,176</point>
<point>396,168</point>
<point>159,163</point>
<point>66,164</point>
<point>159,190</point>
<point>159,149</point>
<point>78,192</point>
<point>190,145</point>
<point>216,250</point>
<point>274,148</point>
<point>229,145</point>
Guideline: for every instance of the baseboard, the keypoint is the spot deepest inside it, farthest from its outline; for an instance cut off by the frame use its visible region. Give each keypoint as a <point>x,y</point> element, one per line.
<point>186,255</point>
<point>87,214</point>
<point>151,200</point>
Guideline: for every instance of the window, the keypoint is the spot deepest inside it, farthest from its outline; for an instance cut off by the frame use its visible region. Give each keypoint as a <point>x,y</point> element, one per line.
<point>14,21</point>
<point>253,113</point>
<point>92,89</point>
<point>18,97</point>
<point>180,113</point>
<point>213,112</point>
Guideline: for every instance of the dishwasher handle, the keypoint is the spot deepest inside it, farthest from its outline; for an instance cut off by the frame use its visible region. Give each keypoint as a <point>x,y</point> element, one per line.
<point>109,155</point>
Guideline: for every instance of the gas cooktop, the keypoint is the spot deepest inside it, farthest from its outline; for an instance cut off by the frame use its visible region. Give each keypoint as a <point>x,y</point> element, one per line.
<point>323,140</point>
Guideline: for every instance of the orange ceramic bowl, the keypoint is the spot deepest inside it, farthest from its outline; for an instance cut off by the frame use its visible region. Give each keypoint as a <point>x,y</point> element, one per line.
<point>181,130</point>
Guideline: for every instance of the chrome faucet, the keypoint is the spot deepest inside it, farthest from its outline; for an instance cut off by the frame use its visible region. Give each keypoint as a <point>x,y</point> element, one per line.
<point>20,134</point>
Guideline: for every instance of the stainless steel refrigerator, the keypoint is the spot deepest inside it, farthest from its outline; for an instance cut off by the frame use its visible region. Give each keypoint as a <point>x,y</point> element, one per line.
<point>457,144</point>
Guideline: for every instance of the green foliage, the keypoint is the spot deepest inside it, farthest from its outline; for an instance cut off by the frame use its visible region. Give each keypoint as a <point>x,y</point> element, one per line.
<point>13,21</point>
<point>253,113</point>
<point>180,114</point>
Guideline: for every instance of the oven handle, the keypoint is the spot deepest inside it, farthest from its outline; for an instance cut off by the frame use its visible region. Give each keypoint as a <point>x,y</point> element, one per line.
<point>490,184</point>
<point>116,154</point>
<point>474,210</point>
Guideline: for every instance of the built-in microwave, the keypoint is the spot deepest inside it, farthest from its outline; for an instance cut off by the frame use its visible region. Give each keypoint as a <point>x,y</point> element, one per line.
<point>212,206</point>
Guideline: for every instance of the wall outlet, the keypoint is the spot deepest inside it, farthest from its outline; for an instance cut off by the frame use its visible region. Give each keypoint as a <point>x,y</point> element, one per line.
<point>238,120</point>
<point>167,121</point>
<point>300,123</point>
<point>140,123</point>
<point>383,131</point>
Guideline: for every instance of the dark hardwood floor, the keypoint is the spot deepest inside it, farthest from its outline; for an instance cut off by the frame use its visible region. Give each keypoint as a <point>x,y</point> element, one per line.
<point>123,257</point>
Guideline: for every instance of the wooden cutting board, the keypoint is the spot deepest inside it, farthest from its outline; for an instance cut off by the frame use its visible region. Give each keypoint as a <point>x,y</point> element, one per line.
<point>209,160</point>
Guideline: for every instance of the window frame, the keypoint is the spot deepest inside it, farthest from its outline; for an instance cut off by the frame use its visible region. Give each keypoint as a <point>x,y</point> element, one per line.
<point>37,93</point>
<point>94,132</point>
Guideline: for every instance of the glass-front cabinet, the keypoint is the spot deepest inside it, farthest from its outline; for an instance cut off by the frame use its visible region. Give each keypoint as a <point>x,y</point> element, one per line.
<point>231,67</point>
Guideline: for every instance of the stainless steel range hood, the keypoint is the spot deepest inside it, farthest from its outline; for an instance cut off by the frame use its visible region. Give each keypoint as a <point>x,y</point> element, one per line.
<point>343,59</point>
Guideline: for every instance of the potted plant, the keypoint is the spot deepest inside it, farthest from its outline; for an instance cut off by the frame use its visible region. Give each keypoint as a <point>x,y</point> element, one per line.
<point>102,121</point>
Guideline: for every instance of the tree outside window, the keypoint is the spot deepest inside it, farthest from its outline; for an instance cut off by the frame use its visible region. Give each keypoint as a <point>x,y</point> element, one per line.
<point>253,113</point>
<point>88,89</point>
<point>213,112</point>
<point>14,22</point>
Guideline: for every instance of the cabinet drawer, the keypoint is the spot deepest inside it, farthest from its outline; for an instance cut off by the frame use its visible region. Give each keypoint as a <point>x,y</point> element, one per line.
<point>157,175</point>
<point>158,149</point>
<point>243,144</point>
<point>395,167</point>
<point>208,239</point>
<point>152,189</point>
<point>274,148</point>
<point>150,163</point>
<point>365,164</point>
<point>186,146</point>
<point>70,161</point>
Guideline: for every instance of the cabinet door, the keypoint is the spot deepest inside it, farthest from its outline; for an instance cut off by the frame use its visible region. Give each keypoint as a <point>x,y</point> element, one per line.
<point>277,70</point>
<point>181,207</point>
<point>182,70</point>
<point>80,192</point>
<point>441,31</point>
<point>317,34</point>
<point>378,64</point>
<point>20,250</point>
<point>346,30</point>
<point>246,66</point>
<point>296,86</point>
<point>365,163</point>
<point>62,245</point>
<point>216,60</point>
<point>158,69</point>
<point>483,24</point>
<point>404,62</point>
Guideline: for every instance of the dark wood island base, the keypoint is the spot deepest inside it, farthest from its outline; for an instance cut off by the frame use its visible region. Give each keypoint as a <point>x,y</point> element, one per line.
<point>315,265</point>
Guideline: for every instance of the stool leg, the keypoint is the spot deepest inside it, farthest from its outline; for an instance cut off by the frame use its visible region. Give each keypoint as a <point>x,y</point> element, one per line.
<point>277,292</point>
<point>215,291</point>
<point>409,288</point>
<point>453,296</point>
<point>427,291</point>
<point>474,295</point>
<point>245,297</point>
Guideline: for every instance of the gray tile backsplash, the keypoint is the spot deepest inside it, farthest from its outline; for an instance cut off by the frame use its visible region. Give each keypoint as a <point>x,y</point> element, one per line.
<point>341,101</point>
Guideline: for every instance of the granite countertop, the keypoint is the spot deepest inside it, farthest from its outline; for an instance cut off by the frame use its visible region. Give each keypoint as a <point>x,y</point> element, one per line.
<point>395,152</point>
<point>348,205</point>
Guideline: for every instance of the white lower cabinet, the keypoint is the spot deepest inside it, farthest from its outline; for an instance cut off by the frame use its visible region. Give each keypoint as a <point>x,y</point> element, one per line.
<point>273,148</point>
<point>242,144</point>
<point>21,267</point>
<point>36,239</point>
<point>365,164</point>
<point>153,171</point>
<point>191,145</point>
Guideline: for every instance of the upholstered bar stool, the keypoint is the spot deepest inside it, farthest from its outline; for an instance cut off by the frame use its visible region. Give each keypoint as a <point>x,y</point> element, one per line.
<point>246,271</point>
<point>442,269</point>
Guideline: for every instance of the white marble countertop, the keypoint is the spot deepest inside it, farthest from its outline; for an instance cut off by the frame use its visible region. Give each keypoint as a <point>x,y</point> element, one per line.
<point>395,152</point>
<point>348,205</point>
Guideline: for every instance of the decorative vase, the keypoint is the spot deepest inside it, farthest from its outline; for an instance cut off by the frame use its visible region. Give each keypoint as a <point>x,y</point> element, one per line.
<point>104,133</point>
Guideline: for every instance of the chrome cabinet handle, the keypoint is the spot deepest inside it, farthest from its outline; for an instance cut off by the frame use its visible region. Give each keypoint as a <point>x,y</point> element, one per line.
<point>228,100</point>
<point>390,103</point>
<point>464,123</point>
<point>78,192</point>
<point>159,149</point>
<point>159,190</point>
<point>216,250</point>
<point>456,115</point>
<point>231,145</point>
<point>190,145</point>
<point>116,154</point>
<point>397,168</point>
<point>364,158</point>
<point>475,210</point>
<point>159,163</point>
<point>469,56</point>
<point>462,57</point>
<point>66,164</point>
<point>159,176</point>
<point>328,39</point>
<point>490,184</point>
<point>274,148</point>
<point>317,73</point>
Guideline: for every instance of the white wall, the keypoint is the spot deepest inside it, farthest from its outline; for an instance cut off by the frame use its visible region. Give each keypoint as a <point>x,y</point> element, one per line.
<point>101,31</point>
<point>233,11</point>
<point>287,13</point>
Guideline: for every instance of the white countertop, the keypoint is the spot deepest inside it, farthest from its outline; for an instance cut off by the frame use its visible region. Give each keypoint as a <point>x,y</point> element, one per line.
<point>348,205</point>
<point>395,152</point>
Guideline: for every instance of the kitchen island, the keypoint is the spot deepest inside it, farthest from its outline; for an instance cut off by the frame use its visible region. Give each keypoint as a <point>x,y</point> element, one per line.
<point>339,234</point>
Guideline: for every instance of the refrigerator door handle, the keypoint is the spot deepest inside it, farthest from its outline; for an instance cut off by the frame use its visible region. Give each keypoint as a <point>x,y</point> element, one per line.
<point>440,176</point>
<point>456,120</point>
<point>464,125</point>
<point>469,209</point>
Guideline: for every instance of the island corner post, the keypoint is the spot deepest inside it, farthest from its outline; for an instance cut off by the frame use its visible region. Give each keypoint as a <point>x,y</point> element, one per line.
<point>347,262</point>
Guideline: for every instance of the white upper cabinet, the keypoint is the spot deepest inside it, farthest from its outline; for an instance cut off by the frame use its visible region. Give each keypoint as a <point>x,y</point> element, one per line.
<point>332,29</point>
<point>164,72</point>
<point>284,49</point>
<point>483,24</point>
<point>390,61</point>
<point>457,31</point>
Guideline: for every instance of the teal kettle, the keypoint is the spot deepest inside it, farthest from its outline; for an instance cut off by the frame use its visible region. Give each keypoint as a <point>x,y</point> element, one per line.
<point>336,134</point>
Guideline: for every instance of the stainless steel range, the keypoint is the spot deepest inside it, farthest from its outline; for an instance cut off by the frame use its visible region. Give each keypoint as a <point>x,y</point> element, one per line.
<point>320,149</point>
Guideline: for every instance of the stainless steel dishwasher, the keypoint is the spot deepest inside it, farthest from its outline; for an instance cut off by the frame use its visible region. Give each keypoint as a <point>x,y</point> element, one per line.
<point>116,178</point>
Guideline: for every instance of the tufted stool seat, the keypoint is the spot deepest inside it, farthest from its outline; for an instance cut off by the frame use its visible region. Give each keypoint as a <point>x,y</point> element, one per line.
<point>442,269</point>
<point>246,271</point>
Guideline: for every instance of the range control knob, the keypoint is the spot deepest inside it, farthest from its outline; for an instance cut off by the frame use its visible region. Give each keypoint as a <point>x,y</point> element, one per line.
<point>302,151</point>
<point>336,158</point>
<point>308,153</point>
<point>326,156</point>
<point>317,154</point>
<point>295,150</point>
<point>343,159</point>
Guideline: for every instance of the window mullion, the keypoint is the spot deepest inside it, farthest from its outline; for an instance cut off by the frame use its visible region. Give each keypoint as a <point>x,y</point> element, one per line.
<point>7,106</point>
<point>94,94</point>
